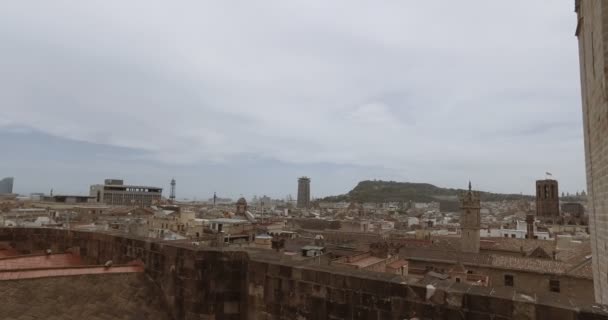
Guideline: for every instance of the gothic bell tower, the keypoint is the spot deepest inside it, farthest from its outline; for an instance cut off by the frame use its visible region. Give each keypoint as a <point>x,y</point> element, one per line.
<point>470,221</point>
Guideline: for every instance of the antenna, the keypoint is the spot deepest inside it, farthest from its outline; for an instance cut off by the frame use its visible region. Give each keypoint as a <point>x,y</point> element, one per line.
<point>172,196</point>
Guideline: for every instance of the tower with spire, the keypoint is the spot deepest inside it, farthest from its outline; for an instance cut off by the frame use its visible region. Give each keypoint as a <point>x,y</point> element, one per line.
<point>470,220</point>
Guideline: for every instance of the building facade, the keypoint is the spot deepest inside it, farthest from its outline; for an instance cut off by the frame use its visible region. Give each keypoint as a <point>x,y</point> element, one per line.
<point>574,209</point>
<point>592,33</point>
<point>470,221</point>
<point>547,199</point>
<point>6,185</point>
<point>304,193</point>
<point>115,193</point>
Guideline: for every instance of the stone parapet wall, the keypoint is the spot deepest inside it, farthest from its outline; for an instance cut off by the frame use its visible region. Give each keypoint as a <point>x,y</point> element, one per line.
<point>592,32</point>
<point>208,283</point>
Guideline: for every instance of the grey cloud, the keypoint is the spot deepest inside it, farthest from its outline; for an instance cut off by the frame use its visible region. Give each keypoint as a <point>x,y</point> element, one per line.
<point>428,90</point>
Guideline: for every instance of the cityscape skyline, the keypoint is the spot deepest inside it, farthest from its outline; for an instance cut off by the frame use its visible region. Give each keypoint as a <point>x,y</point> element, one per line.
<point>27,174</point>
<point>304,160</point>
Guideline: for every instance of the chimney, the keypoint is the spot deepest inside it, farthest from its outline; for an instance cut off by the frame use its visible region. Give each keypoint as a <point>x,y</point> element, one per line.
<point>220,239</point>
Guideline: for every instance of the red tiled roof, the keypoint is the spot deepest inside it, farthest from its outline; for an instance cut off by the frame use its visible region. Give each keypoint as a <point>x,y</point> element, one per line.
<point>62,272</point>
<point>397,264</point>
<point>7,252</point>
<point>40,261</point>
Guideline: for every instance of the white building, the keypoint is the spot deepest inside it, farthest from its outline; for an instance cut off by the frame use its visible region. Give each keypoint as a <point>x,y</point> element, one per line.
<point>115,193</point>
<point>519,232</point>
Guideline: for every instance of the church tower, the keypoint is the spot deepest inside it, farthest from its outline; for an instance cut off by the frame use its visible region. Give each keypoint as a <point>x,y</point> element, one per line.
<point>470,221</point>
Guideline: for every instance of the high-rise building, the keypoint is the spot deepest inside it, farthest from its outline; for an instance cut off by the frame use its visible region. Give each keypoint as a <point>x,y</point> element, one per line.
<point>114,192</point>
<point>304,193</point>
<point>592,33</point>
<point>547,199</point>
<point>6,185</point>
<point>470,221</point>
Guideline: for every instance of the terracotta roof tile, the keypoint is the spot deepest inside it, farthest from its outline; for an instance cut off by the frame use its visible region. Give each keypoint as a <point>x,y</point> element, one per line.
<point>64,272</point>
<point>40,261</point>
<point>7,252</point>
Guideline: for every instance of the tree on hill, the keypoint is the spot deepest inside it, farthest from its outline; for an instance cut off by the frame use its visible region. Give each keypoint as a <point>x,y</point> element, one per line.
<point>378,191</point>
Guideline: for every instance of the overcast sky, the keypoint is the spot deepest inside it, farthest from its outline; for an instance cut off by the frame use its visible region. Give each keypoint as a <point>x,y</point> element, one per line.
<point>242,97</point>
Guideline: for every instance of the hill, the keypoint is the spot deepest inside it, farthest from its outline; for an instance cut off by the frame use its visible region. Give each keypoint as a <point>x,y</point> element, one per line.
<point>390,191</point>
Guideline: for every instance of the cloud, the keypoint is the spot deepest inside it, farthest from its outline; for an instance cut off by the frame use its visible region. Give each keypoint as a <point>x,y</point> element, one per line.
<point>412,87</point>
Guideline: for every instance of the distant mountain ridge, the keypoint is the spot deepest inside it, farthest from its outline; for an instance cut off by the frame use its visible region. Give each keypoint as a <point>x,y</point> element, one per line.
<point>379,191</point>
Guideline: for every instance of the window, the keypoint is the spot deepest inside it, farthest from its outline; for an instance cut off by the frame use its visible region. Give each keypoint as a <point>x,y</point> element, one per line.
<point>554,286</point>
<point>512,236</point>
<point>509,280</point>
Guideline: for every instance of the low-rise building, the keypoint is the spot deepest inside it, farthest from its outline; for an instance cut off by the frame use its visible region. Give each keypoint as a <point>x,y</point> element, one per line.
<point>233,230</point>
<point>114,192</point>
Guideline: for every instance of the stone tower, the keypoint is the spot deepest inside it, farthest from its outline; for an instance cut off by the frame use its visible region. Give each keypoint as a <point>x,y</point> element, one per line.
<point>530,226</point>
<point>241,207</point>
<point>470,221</point>
<point>304,193</point>
<point>592,33</point>
<point>547,199</point>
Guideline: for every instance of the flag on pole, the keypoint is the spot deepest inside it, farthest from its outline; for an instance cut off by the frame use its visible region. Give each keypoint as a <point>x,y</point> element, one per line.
<point>549,174</point>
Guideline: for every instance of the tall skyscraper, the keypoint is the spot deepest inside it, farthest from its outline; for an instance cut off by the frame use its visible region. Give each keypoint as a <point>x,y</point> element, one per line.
<point>470,221</point>
<point>592,36</point>
<point>6,185</point>
<point>547,199</point>
<point>172,195</point>
<point>304,193</point>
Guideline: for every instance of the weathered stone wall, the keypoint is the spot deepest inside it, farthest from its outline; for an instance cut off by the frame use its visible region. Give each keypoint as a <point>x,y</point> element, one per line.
<point>575,288</point>
<point>282,291</point>
<point>91,297</point>
<point>592,32</point>
<point>195,282</point>
<point>203,283</point>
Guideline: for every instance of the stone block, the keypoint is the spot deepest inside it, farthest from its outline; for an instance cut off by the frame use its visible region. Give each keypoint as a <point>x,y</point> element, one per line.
<point>398,290</point>
<point>337,296</point>
<point>544,312</point>
<point>296,274</point>
<point>485,303</point>
<point>309,275</point>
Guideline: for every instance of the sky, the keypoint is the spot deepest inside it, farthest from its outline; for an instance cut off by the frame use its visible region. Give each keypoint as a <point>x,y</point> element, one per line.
<point>243,97</point>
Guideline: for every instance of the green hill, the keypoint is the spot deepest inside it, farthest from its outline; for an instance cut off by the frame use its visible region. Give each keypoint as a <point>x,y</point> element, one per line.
<point>391,191</point>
